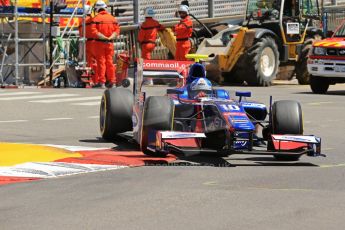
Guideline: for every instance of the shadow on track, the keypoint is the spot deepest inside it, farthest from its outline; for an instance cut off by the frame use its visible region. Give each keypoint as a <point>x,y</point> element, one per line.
<point>270,161</point>
<point>219,162</point>
<point>329,93</point>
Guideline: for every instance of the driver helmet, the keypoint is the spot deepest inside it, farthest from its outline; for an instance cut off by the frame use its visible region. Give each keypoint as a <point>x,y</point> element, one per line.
<point>200,87</point>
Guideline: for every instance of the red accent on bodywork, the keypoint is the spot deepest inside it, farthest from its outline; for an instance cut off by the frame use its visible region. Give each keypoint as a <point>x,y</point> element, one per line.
<point>188,142</point>
<point>288,145</point>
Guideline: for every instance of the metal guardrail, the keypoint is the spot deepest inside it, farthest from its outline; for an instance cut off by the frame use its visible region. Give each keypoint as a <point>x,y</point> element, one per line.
<point>165,9</point>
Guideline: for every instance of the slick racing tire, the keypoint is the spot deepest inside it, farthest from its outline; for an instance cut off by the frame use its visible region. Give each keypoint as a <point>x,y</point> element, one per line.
<point>301,69</point>
<point>287,119</point>
<point>158,115</point>
<point>116,112</point>
<point>319,85</point>
<point>260,64</point>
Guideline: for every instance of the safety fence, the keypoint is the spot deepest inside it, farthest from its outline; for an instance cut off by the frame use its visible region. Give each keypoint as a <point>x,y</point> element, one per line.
<point>332,18</point>
<point>165,9</point>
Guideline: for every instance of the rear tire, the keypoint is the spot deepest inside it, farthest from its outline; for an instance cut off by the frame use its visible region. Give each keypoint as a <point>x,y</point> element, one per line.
<point>259,66</point>
<point>287,119</point>
<point>301,69</point>
<point>116,112</point>
<point>158,115</point>
<point>319,85</point>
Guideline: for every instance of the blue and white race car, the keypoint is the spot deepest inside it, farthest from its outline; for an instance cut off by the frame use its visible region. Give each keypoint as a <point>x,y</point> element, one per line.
<point>197,118</point>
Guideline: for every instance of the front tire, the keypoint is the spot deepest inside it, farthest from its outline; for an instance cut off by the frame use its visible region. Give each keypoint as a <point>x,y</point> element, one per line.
<point>319,85</point>
<point>158,115</point>
<point>261,62</point>
<point>301,69</point>
<point>287,119</point>
<point>116,112</point>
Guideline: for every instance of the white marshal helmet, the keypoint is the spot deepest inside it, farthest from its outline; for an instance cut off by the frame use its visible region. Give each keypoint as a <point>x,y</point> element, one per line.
<point>183,8</point>
<point>149,12</point>
<point>87,9</point>
<point>99,5</point>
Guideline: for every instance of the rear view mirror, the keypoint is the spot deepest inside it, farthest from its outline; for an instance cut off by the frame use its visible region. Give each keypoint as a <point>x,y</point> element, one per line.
<point>243,94</point>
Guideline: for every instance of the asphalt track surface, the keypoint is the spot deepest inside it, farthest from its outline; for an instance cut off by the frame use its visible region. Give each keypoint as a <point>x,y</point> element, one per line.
<point>237,192</point>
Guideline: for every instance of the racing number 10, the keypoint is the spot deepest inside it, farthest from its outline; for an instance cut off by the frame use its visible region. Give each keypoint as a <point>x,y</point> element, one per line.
<point>227,107</point>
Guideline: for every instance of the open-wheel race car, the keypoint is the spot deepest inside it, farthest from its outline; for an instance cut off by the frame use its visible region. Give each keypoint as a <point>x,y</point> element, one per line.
<point>195,118</point>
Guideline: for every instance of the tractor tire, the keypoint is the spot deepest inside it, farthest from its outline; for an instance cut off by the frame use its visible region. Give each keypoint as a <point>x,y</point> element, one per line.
<point>301,69</point>
<point>260,63</point>
<point>158,115</point>
<point>287,119</point>
<point>116,112</point>
<point>319,85</point>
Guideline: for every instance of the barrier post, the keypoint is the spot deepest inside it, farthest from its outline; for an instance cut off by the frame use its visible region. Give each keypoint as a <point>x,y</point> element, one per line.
<point>211,8</point>
<point>136,11</point>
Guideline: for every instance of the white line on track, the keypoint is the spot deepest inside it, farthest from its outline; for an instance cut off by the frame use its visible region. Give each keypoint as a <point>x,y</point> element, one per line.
<point>320,103</point>
<point>18,93</point>
<point>36,97</point>
<point>93,117</point>
<point>13,121</point>
<point>58,119</point>
<point>68,99</point>
<point>88,103</point>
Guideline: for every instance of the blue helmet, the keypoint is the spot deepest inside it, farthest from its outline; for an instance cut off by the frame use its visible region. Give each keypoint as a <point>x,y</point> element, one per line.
<point>200,85</point>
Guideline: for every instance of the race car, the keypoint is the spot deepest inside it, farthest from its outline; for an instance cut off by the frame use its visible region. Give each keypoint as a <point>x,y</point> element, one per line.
<point>326,62</point>
<point>197,118</point>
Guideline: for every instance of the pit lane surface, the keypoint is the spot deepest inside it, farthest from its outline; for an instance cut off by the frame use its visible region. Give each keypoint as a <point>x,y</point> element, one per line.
<point>238,192</point>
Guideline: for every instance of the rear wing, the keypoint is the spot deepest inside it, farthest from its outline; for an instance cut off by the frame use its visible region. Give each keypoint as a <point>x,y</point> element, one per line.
<point>165,69</point>
<point>159,69</point>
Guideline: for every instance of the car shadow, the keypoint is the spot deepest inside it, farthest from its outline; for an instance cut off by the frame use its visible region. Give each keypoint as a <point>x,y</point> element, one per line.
<point>329,93</point>
<point>226,162</point>
<point>270,161</point>
<point>96,140</point>
<point>121,143</point>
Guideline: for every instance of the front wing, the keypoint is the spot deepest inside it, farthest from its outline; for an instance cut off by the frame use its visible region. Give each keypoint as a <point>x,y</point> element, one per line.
<point>188,143</point>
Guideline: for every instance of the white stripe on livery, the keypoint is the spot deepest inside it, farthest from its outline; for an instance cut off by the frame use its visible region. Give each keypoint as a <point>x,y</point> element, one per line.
<point>68,99</point>
<point>36,97</point>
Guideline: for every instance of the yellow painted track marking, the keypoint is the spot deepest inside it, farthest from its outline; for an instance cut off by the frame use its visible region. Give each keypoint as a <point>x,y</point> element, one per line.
<point>13,154</point>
